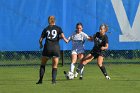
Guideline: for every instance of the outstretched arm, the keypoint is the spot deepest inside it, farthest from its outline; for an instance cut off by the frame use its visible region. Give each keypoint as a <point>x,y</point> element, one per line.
<point>63,37</point>
<point>90,38</point>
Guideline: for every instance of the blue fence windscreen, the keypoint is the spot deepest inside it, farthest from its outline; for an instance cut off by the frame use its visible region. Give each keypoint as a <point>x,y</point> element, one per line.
<point>22,21</point>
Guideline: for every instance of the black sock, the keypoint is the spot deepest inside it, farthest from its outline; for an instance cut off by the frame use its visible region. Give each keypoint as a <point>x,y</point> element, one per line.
<point>41,72</point>
<point>54,74</point>
<point>80,66</point>
<point>103,70</point>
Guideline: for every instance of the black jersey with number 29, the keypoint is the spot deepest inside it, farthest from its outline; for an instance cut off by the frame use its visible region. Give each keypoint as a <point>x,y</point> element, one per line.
<point>51,33</point>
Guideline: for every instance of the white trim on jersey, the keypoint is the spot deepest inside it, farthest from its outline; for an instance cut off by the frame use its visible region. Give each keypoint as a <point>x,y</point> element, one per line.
<point>78,40</point>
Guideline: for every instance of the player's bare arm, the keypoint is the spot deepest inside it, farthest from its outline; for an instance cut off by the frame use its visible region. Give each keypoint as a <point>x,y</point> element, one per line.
<point>90,38</point>
<point>105,47</point>
<point>63,37</point>
<point>40,42</point>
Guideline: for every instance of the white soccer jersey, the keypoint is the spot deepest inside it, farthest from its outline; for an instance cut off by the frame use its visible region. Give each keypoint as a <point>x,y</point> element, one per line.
<point>78,40</point>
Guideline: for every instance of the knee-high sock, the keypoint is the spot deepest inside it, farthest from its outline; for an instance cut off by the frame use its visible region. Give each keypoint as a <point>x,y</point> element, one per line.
<point>103,70</point>
<point>72,66</point>
<point>41,72</point>
<point>80,66</point>
<point>54,74</point>
<point>81,72</point>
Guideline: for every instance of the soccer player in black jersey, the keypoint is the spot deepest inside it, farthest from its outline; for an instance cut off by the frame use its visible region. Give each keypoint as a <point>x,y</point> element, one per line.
<point>52,34</point>
<point>100,45</point>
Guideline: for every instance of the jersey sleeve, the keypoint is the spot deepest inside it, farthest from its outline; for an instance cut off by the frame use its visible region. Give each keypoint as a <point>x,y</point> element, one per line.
<point>60,30</point>
<point>94,36</point>
<point>70,37</point>
<point>43,33</point>
<point>106,39</point>
<point>85,36</point>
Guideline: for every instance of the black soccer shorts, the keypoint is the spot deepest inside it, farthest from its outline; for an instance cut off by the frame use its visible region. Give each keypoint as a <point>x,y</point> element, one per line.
<point>96,54</point>
<point>51,53</point>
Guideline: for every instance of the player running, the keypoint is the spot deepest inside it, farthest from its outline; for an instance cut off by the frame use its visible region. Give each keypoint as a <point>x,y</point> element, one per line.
<point>52,34</point>
<point>78,38</point>
<point>100,45</point>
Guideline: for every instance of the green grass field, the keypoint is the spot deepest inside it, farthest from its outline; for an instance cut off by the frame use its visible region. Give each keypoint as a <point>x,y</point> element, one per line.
<point>22,79</point>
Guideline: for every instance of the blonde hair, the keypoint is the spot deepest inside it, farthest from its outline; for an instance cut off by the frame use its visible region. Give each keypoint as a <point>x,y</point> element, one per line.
<point>104,26</point>
<point>51,19</point>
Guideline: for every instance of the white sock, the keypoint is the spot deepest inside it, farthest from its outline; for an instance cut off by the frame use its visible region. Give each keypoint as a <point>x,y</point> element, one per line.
<point>81,72</point>
<point>72,66</point>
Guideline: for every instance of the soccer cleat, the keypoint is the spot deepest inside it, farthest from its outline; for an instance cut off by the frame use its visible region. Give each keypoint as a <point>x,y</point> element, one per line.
<point>53,82</point>
<point>76,74</point>
<point>39,82</point>
<point>80,78</point>
<point>107,77</point>
<point>65,73</point>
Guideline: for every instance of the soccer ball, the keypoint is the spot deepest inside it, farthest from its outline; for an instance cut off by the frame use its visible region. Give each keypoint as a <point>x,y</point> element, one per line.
<point>70,75</point>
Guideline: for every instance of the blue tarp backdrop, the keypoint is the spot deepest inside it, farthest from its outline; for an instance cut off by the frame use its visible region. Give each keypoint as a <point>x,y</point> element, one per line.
<point>22,21</point>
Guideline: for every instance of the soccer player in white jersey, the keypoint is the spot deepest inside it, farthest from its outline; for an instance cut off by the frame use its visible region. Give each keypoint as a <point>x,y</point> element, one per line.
<point>78,38</point>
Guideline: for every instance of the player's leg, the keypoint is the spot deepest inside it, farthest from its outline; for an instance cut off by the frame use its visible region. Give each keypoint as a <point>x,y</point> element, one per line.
<point>84,61</point>
<point>73,61</point>
<point>55,61</point>
<point>102,67</point>
<point>80,57</point>
<point>42,69</point>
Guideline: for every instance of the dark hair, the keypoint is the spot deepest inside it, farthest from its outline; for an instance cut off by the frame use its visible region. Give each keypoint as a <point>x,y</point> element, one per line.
<point>79,23</point>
